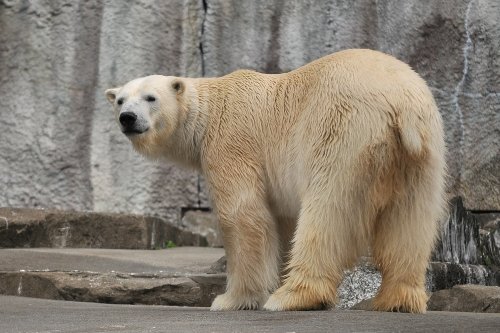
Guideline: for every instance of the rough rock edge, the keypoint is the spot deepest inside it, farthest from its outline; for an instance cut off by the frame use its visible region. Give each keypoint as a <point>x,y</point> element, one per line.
<point>116,288</point>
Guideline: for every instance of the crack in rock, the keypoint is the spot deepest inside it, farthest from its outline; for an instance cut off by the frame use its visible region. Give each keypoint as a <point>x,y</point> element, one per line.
<point>460,84</point>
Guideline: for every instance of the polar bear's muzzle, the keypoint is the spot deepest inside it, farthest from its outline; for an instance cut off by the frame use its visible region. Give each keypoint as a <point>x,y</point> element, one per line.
<point>131,124</point>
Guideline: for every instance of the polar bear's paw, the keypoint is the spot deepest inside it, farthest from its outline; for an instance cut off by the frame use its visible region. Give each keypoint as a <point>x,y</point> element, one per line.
<point>401,298</point>
<point>285,299</point>
<point>229,302</point>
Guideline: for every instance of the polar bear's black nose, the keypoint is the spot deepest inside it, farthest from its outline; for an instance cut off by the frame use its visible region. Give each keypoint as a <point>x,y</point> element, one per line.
<point>127,119</point>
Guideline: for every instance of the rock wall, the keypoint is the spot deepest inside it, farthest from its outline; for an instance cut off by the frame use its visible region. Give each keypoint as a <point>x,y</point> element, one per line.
<point>60,147</point>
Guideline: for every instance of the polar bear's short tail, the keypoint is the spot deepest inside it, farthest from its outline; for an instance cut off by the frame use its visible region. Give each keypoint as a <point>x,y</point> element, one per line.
<point>417,128</point>
<point>411,139</point>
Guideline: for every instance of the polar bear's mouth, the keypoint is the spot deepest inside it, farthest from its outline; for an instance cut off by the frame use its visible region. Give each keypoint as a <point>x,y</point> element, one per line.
<point>132,123</point>
<point>134,131</point>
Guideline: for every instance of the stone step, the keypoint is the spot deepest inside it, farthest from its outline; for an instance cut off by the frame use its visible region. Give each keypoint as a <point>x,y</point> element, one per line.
<point>188,276</point>
<point>175,261</point>
<point>177,276</point>
<point>20,227</point>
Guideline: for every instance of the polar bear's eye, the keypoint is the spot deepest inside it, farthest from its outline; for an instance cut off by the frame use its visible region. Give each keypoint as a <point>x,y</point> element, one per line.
<point>119,101</point>
<point>150,98</point>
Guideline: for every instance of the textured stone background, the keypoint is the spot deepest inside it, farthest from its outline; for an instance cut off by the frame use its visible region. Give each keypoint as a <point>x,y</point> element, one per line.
<point>60,147</point>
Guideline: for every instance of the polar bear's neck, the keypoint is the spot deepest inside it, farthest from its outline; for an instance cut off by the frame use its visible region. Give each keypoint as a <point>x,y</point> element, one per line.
<point>188,141</point>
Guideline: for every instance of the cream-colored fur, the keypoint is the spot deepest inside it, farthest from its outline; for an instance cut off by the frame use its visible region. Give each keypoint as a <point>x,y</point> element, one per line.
<point>309,169</point>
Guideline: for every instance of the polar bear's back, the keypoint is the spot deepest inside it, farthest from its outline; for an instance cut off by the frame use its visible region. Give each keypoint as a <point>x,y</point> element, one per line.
<point>368,89</point>
<point>341,108</point>
<point>358,97</point>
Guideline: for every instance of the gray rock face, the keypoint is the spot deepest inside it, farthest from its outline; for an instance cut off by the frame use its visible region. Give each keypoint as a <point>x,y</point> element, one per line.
<point>490,237</point>
<point>460,240</point>
<point>466,298</point>
<point>469,245</point>
<point>443,275</point>
<point>61,148</point>
<point>60,145</point>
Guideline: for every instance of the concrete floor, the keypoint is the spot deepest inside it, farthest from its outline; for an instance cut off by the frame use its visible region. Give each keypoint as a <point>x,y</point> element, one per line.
<point>28,315</point>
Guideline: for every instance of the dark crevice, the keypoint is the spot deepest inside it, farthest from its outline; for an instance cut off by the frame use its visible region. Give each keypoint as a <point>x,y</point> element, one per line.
<point>479,211</point>
<point>198,184</point>
<point>202,53</point>
<point>202,61</point>
<point>184,210</point>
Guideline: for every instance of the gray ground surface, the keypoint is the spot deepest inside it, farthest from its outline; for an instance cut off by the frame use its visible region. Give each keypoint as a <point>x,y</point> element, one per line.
<point>20,314</point>
<point>181,259</point>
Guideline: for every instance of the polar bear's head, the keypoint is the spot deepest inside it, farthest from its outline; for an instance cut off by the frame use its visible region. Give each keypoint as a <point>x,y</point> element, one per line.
<point>148,111</point>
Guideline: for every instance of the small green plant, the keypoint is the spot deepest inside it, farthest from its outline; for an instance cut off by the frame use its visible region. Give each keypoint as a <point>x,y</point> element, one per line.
<point>487,260</point>
<point>169,244</point>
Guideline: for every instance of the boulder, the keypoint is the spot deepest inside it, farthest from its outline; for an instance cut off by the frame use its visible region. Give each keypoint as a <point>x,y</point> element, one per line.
<point>466,298</point>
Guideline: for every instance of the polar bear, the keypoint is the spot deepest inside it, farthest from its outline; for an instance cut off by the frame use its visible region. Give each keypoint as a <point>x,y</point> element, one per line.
<point>308,170</point>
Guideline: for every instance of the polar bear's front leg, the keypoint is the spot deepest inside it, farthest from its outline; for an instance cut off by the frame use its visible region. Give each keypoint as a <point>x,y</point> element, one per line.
<point>252,248</point>
<point>318,257</point>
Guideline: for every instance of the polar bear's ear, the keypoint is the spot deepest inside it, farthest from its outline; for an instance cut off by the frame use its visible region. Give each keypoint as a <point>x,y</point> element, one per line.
<point>178,86</point>
<point>111,94</point>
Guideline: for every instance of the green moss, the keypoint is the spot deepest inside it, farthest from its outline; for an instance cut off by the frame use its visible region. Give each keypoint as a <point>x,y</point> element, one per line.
<point>169,244</point>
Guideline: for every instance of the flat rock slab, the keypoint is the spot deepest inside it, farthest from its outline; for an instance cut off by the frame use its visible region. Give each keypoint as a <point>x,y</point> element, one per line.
<point>22,227</point>
<point>167,261</point>
<point>20,314</point>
